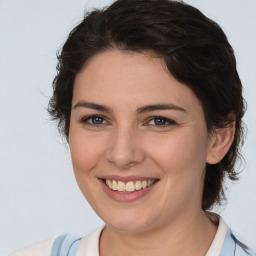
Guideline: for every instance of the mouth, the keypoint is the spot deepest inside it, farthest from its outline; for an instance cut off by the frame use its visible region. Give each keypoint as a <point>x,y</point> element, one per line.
<point>127,189</point>
<point>129,186</point>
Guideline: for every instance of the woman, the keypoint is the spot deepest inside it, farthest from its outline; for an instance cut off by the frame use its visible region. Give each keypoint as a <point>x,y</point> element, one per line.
<point>149,99</point>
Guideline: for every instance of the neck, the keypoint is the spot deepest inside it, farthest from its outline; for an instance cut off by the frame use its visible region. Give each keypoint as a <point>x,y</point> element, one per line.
<point>191,237</point>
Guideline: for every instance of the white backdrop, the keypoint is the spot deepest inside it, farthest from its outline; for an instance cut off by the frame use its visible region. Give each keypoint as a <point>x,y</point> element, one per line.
<point>38,194</point>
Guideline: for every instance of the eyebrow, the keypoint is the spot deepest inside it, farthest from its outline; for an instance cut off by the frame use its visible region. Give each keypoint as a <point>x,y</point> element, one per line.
<point>144,109</point>
<point>156,107</point>
<point>99,107</point>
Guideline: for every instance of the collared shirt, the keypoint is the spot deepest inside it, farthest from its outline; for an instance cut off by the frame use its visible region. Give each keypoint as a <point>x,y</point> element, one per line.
<point>224,244</point>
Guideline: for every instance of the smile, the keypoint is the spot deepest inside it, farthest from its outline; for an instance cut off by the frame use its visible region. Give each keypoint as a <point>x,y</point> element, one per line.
<point>130,186</point>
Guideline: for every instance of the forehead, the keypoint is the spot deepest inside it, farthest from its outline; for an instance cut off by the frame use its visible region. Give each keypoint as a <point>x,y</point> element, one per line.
<point>127,66</point>
<point>131,79</point>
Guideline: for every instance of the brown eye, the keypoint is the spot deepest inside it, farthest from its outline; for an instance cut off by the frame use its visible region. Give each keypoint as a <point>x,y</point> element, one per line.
<point>161,121</point>
<point>94,120</point>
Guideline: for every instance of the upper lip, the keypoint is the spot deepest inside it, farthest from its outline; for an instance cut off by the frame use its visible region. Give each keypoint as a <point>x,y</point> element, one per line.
<point>126,178</point>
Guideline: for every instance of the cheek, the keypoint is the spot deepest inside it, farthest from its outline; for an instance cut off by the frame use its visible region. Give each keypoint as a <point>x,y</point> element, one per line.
<point>182,163</point>
<point>86,152</point>
<point>179,154</point>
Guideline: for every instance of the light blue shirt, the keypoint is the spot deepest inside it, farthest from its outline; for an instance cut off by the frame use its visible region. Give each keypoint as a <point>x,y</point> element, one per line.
<point>233,247</point>
<point>68,245</point>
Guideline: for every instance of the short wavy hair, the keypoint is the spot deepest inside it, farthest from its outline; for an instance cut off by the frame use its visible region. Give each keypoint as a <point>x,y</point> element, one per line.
<point>195,50</point>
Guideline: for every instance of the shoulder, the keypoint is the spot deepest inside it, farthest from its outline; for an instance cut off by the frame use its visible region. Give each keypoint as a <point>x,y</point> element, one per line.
<point>88,245</point>
<point>38,249</point>
<point>241,249</point>
<point>226,242</point>
<point>235,245</point>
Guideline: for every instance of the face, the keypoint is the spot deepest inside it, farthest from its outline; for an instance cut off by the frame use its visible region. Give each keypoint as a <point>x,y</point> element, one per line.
<point>138,141</point>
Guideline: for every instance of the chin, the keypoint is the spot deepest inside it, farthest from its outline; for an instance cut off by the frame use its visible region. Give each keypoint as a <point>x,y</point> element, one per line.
<point>129,227</point>
<point>129,222</point>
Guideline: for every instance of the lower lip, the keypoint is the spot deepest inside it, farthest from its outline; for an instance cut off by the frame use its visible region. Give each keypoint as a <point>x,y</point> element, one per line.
<point>126,196</point>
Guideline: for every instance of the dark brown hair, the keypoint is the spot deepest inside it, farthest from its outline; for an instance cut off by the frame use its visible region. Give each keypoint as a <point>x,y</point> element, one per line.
<point>194,49</point>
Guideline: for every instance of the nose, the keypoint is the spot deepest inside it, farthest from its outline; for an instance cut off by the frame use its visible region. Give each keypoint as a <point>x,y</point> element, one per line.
<point>125,149</point>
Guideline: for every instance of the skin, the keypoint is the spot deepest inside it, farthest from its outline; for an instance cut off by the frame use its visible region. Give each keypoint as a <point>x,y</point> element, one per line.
<point>169,219</point>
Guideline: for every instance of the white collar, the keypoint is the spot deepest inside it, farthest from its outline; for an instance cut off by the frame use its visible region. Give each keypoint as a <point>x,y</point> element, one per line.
<point>89,245</point>
<point>219,238</point>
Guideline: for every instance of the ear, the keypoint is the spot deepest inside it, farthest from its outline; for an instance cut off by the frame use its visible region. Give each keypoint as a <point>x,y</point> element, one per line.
<point>220,143</point>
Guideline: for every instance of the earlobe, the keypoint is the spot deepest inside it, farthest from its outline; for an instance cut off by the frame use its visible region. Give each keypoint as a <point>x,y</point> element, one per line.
<point>221,142</point>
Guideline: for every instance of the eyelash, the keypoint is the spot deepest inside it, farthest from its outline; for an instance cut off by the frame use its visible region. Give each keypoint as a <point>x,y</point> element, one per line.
<point>85,120</point>
<point>170,122</point>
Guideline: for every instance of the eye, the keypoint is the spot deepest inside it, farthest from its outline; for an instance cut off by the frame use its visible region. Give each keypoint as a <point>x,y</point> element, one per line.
<point>161,121</point>
<point>94,120</point>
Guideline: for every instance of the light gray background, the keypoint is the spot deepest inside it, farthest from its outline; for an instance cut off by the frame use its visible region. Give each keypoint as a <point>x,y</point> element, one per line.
<point>38,194</point>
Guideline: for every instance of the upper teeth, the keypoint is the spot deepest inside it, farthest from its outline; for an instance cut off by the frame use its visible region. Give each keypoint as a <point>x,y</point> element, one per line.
<point>130,186</point>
